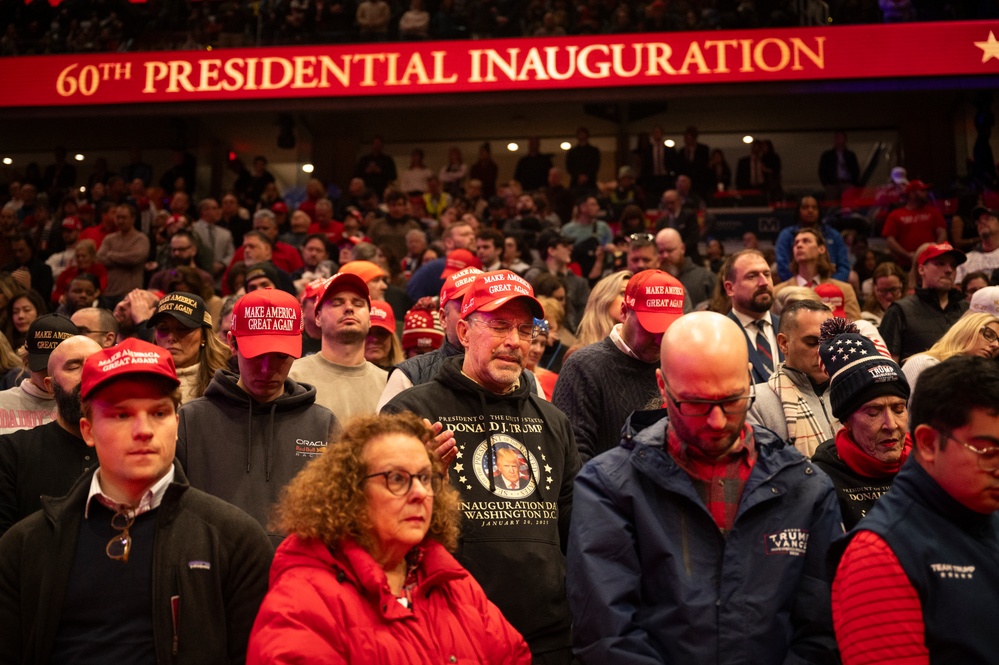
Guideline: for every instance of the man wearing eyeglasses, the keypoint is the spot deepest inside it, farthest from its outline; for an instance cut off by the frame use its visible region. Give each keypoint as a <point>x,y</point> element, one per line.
<point>701,538</point>
<point>133,565</point>
<point>918,580</point>
<point>514,531</point>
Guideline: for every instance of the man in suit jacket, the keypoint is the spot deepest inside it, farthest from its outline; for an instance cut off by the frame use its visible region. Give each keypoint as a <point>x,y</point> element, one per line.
<point>749,284</point>
<point>838,167</point>
<point>692,160</point>
<point>658,165</point>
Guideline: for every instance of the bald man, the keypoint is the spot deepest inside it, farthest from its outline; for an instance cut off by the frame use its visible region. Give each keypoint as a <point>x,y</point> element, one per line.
<point>47,460</point>
<point>697,280</point>
<point>701,538</point>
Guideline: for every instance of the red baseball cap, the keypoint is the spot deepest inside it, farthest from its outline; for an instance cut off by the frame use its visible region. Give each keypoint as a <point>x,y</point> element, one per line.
<point>72,223</point>
<point>656,298</point>
<point>314,289</point>
<point>382,315</point>
<point>132,357</point>
<point>421,329</point>
<point>916,185</point>
<point>366,270</point>
<point>344,281</point>
<point>458,260</point>
<point>833,297</point>
<point>933,251</point>
<point>268,320</point>
<point>457,284</point>
<point>492,290</point>
<point>280,207</point>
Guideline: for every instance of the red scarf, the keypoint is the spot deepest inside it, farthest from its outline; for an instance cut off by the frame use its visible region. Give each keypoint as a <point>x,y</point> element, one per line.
<point>864,464</point>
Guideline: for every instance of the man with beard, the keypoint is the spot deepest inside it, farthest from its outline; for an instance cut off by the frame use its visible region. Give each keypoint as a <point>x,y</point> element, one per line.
<point>748,282</point>
<point>483,398</point>
<point>47,460</point>
<point>868,394</point>
<point>345,382</point>
<point>794,402</point>
<point>701,538</point>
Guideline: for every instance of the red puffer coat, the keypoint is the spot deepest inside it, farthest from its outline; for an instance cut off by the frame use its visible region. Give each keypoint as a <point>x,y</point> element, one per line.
<point>326,607</point>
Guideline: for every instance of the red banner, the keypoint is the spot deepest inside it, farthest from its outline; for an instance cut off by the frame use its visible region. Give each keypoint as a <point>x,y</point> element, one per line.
<point>660,59</point>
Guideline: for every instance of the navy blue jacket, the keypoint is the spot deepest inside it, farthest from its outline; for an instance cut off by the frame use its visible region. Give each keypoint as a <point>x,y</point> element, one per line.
<point>949,554</point>
<point>651,578</point>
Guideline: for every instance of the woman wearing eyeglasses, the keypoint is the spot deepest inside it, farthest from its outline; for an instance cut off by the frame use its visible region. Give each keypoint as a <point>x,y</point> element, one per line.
<point>365,576</point>
<point>887,283</point>
<point>974,334</point>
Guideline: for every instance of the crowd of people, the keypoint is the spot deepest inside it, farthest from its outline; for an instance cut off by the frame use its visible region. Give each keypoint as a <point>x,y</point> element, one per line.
<point>42,27</point>
<point>449,418</point>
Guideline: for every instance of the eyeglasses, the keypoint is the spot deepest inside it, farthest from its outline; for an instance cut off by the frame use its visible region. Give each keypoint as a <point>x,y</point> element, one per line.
<point>502,328</point>
<point>120,544</point>
<point>702,407</point>
<point>400,482</point>
<point>87,331</point>
<point>641,236</point>
<point>988,458</point>
<point>989,334</point>
<point>893,290</point>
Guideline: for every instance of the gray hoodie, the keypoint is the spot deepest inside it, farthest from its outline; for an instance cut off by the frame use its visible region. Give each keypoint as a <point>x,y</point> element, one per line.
<point>244,451</point>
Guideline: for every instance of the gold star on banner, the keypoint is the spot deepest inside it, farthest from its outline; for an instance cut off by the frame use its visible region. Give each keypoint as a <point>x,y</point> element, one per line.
<point>462,479</point>
<point>990,49</point>
<point>548,469</point>
<point>459,468</point>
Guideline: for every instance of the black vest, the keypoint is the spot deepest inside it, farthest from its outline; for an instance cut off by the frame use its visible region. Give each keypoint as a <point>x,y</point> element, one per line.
<point>951,556</point>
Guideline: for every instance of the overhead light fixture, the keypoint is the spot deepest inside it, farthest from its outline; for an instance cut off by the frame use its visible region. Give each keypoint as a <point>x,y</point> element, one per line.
<point>565,145</point>
<point>747,139</point>
<point>669,143</point>
<point>512,147</point>
<point>79,157</point>
<point>8,161</point>
<point>308,168</point>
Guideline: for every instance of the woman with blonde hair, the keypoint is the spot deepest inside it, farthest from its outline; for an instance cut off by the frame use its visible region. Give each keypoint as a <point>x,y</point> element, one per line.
<point>974,334</point>
<point>603,308</point>
<point>365,575</point>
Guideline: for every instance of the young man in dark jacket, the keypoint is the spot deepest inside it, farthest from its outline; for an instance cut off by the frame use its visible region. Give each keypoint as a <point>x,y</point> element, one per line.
<point>133,565</point>
<point>702,539</point>
<point>513,539</point>
<point>252,433</point>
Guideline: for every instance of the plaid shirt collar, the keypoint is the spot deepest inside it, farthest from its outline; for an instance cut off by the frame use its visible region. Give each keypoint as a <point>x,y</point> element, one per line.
<point>719,482</point>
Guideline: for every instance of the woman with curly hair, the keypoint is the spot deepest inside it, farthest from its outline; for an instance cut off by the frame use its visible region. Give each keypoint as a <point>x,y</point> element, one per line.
<point>365,575</point>
<point>183,326</point>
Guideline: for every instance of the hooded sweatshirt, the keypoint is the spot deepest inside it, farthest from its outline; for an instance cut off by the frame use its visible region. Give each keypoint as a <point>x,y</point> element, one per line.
<point>244,451</point>
<point>513,531</point>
